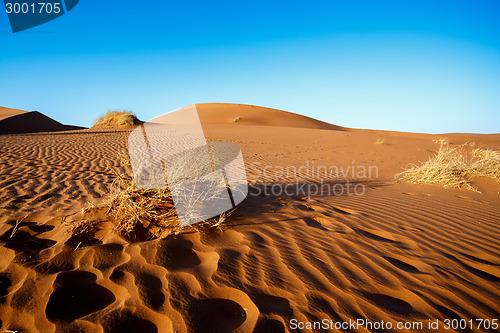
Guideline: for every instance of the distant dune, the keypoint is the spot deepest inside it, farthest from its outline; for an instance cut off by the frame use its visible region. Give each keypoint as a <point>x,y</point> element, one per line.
<point>8,112</point>
<point>242,114</point>
<point>13,121</point>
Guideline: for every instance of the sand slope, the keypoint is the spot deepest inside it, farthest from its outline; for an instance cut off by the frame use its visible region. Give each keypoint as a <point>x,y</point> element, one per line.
<point>16,121</point>
<point>400,252</point>
<point>8,112</point>
<point>226,113</point>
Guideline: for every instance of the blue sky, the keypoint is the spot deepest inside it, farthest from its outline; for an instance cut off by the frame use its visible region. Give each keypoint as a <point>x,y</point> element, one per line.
<point>419,66</point>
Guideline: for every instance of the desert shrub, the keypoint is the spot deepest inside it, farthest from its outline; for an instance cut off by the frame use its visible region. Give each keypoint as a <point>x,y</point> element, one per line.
<point>486,163</point>
<point>470,143</point>
<point>117,118</point>
<point>442,141</point>
<point>455,167</point>
<point>131,209</point>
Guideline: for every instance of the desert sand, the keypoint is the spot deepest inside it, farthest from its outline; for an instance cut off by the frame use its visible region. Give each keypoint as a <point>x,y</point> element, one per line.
<point>399,253</point>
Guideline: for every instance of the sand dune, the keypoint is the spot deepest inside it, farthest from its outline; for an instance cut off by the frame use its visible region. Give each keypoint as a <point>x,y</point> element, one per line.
<point>400,252</point>
<point>14,121</point>
<point>8,112</point>
<point>242,114</point>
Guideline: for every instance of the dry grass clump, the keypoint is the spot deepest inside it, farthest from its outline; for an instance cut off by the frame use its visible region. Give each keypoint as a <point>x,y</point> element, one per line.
<point>83,227</point>
<point>470,143</point>
<point>138,212</point>
<point>486,163</point>
<point>132,208</point>
<point>454,167</point>
<point>117,118</point>
<point>380,141</point>
<point>123,157</point>
<point>442,141</point>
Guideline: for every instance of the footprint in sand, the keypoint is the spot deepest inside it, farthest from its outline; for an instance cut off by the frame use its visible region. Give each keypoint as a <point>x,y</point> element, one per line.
<point>269,304</point>
<point>150,290</point>
<point>76,295</point>
<point>5,283</point>
<point>265,325</point>
<point>217,315</point>
<point>40,228</point>
<point>63,261</point>
<point>117,276</point>
<point>24,241</point>
<point>176,254</point>
<point>84,239</point>
<point>109,255</point>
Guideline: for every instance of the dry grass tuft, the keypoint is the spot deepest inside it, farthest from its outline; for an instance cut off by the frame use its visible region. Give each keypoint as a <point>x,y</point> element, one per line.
<point>455,167</point>
<point>138,212</point>
<point>117,118</point>
<point>442,141</point>
<point>380,141</point>
<point>235,120</point>
<point>83,227</point>
<point>124,157</point>
<point>486,163</point>
<point>131,208</point>
<point>470,144</point>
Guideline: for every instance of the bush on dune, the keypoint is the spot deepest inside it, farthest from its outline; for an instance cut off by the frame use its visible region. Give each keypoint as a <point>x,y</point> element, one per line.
<point>454,167</point>
<point>134,210</point>
<point>487,163</point>
<point>117,118</point>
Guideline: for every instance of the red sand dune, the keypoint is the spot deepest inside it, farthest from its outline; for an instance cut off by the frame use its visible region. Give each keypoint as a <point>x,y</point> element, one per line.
<point>14,121</point>
<point>226,113</point>
<point>8,112</point>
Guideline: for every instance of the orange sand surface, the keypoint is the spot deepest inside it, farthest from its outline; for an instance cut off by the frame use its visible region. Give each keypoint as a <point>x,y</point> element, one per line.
<point>399,252</point>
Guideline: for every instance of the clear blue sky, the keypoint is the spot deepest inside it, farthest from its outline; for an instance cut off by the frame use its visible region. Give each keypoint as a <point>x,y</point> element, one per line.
<point>420,66</point>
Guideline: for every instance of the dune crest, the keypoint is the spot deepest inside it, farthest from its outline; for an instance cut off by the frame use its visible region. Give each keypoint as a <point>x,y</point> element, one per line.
<point>243,114</point>
<point>14,121</point>
<point>9,112</point>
